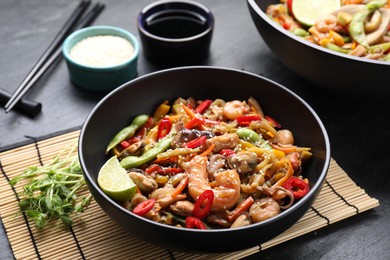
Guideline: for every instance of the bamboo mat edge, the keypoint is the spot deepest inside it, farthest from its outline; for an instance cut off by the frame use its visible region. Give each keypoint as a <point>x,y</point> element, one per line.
<point>347,198</point>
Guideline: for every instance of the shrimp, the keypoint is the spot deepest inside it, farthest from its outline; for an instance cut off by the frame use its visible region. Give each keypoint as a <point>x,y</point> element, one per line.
<point>234,109</point>
<point>327,23</point>
<point>226,186</point>
<point>264,209</point>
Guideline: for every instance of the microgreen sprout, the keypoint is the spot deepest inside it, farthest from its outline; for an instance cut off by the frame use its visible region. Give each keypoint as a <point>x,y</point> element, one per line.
<point>51,192</point>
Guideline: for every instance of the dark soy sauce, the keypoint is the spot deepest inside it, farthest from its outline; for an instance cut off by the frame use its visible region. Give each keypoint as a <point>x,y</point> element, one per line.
<point>176,24</point>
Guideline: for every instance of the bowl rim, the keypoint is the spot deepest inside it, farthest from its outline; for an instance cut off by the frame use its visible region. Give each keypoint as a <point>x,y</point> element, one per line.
<point>317,185</point>
<point>97,31</point>
<point>141,17</point>
<point>253,4</point>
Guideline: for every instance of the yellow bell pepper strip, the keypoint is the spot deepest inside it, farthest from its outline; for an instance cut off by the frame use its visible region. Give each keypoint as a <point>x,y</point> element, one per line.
<point>149,155</point>
<point>128,132</point>
<point>298,187</point>
<point>289,172</point>
<point>160,112</point>
<point>203,106</point>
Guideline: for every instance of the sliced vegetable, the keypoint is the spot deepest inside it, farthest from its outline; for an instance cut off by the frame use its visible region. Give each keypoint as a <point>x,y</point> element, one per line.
<point>203,204</point>
<point>227,152</point>
<point>180,187</point>
<point>128,132</point>
<point>144,207</point>
<point>298,187</point>
<point>196,142</point>
<point>251,136</point>
<point>163,170</point>
<point>244,206</point>
<point>149,155</point>
<point>203,106</point>
<point>193,222</point>
<point>164,127</point>
<point>194,122</point>
<point>273,122</point>
<point>245,120</point>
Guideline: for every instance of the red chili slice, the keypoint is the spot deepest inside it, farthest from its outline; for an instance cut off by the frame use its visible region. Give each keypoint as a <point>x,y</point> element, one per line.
<point>144,207</point>
<point>125,144</point>
<point>193,122</point>
<point>298,187</point>
<point>164,127</point>
<point>196,142</point>
<point>227,152</point>
<point>203,204</point>
<point>203,106</point>
<point>245,120</point>
<point>193,222</point>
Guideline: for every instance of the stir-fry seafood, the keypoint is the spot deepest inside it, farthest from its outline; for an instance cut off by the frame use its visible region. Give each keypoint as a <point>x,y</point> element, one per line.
<point>210,164</point>
<point>359,28</point>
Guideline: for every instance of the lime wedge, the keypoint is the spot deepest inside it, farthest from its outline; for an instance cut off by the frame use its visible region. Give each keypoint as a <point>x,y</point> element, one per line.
<point>114,180</point>
<point>307,11</point>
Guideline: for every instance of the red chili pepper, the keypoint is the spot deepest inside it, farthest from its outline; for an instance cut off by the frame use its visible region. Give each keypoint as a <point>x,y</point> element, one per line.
<point>203,106</point>
<point>194,122</point>
<point>200,211</point>
<point>298,187</point>
<point>286,26</point>
<point>245,120</point>
<point>125,144</point>
<point>164,127</point>
<point>163,170</point>
<point>227,152</point>
<point>273,122</point>
<point>192,222</point>
<point>196,142</point>
<point>144,207</point>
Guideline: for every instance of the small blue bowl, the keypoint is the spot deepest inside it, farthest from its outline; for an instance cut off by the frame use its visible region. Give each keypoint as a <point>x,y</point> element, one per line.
<point>95,78</point>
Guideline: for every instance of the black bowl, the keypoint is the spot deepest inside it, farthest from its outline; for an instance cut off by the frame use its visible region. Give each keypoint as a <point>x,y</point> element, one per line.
<point>327,69</point>
<point>175,32</point>
<point>144,94</point>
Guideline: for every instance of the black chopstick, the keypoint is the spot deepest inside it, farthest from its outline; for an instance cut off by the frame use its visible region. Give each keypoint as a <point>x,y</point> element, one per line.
<point>86,21</point>
<point>57,41</point>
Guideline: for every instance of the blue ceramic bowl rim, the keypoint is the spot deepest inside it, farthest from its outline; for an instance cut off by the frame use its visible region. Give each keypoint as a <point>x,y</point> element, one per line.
<point>268,20</point>
<point>100,28</point>
<point>143,15</point>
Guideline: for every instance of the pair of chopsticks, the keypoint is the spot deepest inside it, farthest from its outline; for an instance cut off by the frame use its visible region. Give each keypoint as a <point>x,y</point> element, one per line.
<point>74,22</point>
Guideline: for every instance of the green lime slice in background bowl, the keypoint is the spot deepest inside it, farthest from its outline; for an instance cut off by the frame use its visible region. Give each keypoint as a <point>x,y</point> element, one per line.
<point>115,182</point>
<point>308,11</point>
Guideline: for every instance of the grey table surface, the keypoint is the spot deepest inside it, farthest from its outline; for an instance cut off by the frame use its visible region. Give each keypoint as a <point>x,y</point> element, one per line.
<point>358,128</point>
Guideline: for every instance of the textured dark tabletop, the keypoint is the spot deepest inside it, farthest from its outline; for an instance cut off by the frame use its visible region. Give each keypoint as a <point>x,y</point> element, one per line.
<point>358,128</point>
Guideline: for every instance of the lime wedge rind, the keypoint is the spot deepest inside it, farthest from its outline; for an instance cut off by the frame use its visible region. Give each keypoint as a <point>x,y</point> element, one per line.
<point>308,11</point>
<point>115,181</point>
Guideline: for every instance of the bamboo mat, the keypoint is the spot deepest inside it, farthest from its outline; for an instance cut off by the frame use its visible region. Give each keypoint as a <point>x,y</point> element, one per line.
<point>98,237</point>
